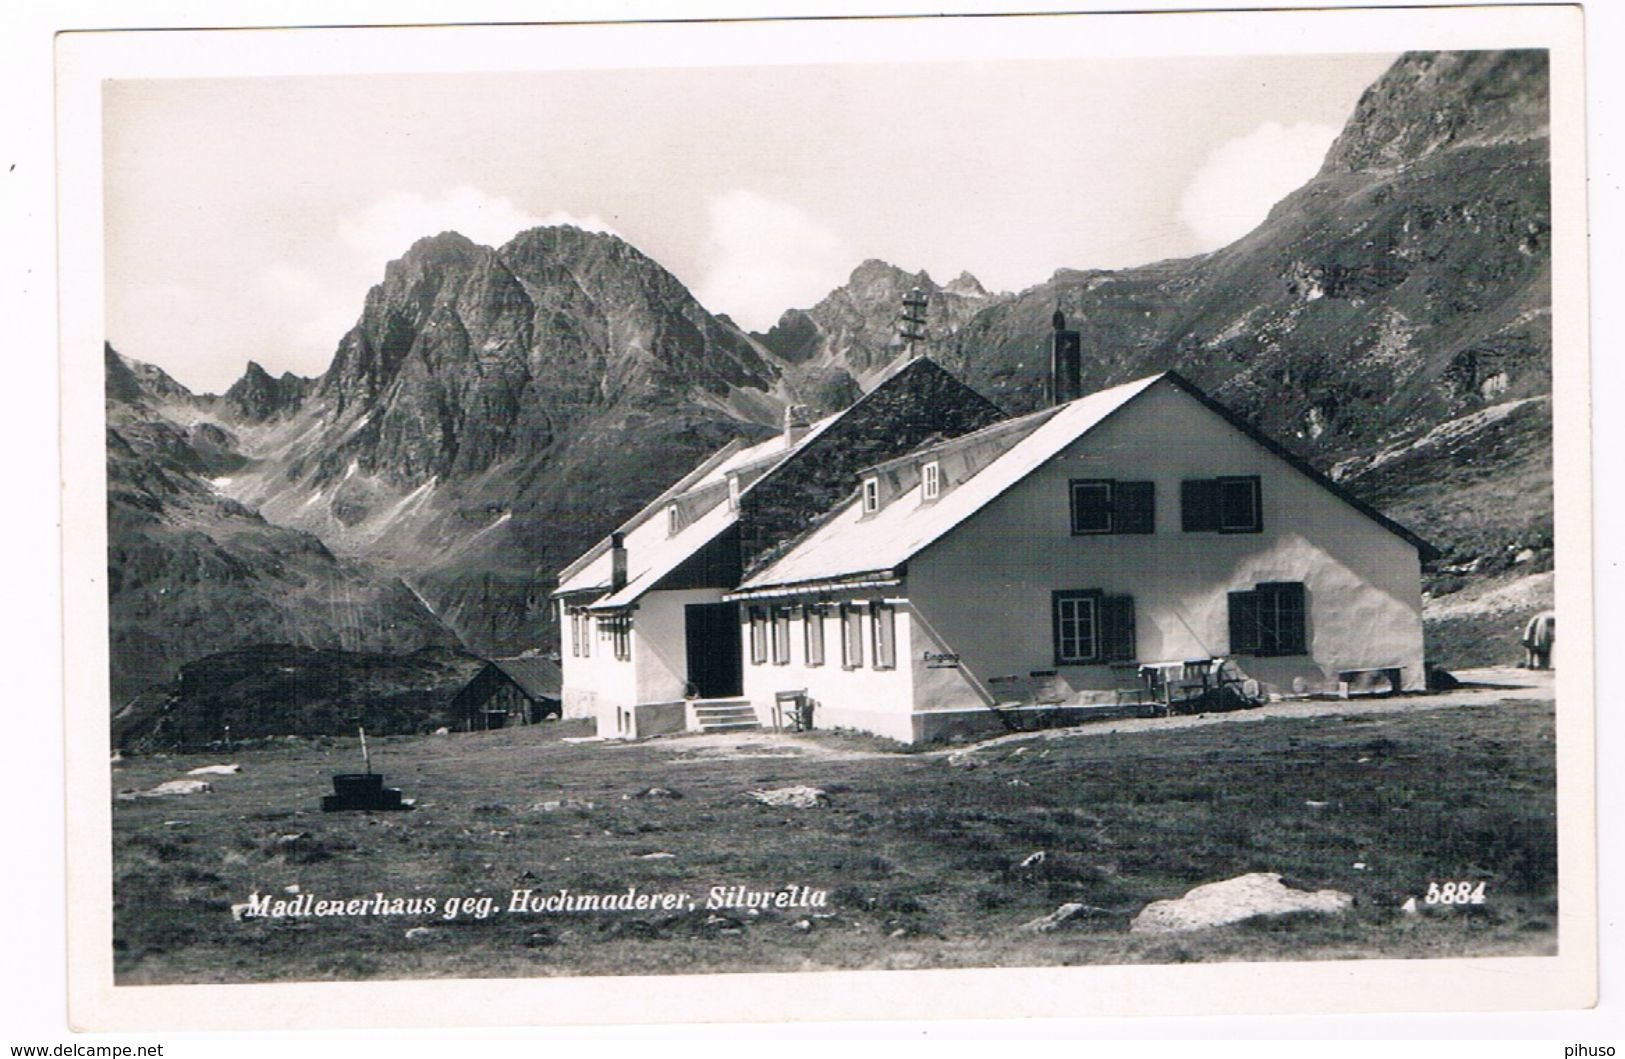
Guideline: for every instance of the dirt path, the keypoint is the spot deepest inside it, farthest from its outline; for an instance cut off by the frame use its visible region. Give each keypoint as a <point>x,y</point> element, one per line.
<point>1485,687</point>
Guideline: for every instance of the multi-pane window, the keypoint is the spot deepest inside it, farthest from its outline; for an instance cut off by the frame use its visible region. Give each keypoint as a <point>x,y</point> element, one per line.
<point>1076,627</point>
<point>575,635</point>
<point>931,481</point>
<point>758,636</point>
<point>1089,626</point>
<point>852,635</point>
<point>871,495</point>
<point>1105,505</point>
<point>1232,504</point>
<point>781,636</point>
<point>1272,619</point>
<point>883,622</point>
<point>813,634</point>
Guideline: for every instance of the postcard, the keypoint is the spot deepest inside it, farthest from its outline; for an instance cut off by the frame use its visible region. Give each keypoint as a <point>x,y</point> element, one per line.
<point>850,518</point>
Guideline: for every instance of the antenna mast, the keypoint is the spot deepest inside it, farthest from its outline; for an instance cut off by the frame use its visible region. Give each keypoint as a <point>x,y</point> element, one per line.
<point>911,325</point>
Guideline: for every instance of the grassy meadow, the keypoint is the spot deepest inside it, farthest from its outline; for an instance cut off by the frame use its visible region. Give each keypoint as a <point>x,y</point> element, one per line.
<point>926,859</point>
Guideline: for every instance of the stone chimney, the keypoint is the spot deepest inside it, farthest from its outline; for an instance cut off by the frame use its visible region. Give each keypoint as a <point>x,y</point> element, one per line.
<point>795,424</point>
<point>617,561</point>
<point>1065,363</point>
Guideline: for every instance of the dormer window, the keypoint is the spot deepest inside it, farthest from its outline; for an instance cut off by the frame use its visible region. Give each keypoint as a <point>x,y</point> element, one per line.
<point>931,481</point>
<point>871,495</point>
<point>733,492</point>
<point>674,520</point>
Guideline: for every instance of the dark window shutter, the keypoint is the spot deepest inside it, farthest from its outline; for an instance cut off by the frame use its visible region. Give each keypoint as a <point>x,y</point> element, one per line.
<point>1243,623</point>
<point>1117,622</point>
<point>1092,506</point>
<point>1199,505</point>
<point>1135,508</point>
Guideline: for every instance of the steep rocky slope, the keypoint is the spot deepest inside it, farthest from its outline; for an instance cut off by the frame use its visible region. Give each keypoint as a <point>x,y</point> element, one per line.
<point>191,571</point>
<point>494,411</point>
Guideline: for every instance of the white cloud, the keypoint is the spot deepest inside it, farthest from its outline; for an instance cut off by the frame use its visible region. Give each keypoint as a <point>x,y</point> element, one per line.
<point>1242,178</point>
<point>765,257</point>
<point>385,229</point>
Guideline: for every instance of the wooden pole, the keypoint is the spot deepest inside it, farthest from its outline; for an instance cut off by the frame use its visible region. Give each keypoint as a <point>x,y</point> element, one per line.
<point>366,759</point>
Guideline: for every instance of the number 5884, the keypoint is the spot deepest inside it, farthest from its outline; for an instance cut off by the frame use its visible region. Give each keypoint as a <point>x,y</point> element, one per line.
<point>1455,893</point>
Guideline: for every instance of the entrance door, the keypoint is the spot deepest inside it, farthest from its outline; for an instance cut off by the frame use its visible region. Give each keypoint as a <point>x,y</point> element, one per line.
<point>715,665</point>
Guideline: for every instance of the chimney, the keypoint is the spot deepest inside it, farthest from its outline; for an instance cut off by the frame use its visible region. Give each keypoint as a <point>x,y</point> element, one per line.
<point>1065,363</point>
<point>795,424</point>
<point>617,561</point>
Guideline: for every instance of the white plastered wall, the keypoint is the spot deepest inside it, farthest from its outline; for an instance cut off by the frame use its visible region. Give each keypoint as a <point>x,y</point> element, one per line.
<point>985,587</point>
<point>863,698</point>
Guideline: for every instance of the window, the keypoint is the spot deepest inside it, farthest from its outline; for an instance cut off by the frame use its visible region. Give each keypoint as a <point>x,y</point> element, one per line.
<point>813,634</point>
<point>620,635</point>
<point>674,520</point>
<point>931,481</point>
<point>1232,504</point>
<point>586,635</point>
<point>758,636</point>
<point>781,636</point>
<point>575,635</point>
<point>1090,627</point>
<point>1269,620</point>
<point>733,491</point>
<point>871,495</point>
<point>1104,505</point>
<point>1076,627</point>
<point>852,635</point>
<point>883,627</point>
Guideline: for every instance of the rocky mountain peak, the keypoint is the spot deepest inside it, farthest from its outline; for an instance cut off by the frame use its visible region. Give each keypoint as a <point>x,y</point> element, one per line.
<point>1432,101</point>
<point>966,286</point>
<point>258,396</point>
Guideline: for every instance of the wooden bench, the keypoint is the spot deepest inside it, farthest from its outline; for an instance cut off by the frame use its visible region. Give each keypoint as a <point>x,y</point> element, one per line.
<point>1353,680</point>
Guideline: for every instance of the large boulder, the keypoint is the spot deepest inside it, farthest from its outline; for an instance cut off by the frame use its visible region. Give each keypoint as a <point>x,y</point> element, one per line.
<point>1233,900</point>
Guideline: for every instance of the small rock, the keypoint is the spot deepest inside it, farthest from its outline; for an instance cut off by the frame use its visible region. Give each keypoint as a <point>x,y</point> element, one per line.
<point>442,730</point>
<point>1233,900</point>
<point>1409,907</point>
<point>1316,805</point>
<point>658,792</point>
<point>656,855</point>
<point>1033,860</point>
<point>168,789</point>
<point>1359,865</point>
<point>291,888</point>
<point>801,926</point>
<point>177,823</point>
<point>799,797</point>
<point>540,939</point>
<point>421,934</point>
<point>1524,556</point>
<point>1045,924</point>
<point>215,770</point>
<point>239,911</point>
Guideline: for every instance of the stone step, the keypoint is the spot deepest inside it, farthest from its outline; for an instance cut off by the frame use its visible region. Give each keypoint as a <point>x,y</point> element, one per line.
<point>729,726</point>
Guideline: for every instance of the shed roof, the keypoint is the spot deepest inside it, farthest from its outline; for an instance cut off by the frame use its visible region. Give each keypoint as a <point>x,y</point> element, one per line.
<point>536,676</point>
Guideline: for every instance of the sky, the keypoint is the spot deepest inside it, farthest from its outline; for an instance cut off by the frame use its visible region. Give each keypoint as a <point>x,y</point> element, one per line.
<point>246,218</point>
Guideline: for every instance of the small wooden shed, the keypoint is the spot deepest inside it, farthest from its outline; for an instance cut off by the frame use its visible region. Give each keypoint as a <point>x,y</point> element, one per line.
<point>506,691</point>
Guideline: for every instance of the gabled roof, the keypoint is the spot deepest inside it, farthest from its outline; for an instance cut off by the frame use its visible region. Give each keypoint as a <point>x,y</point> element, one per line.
<point>849,544</point>
<point>650,558</point>
<point>652,552</point>
<point>537,677</point>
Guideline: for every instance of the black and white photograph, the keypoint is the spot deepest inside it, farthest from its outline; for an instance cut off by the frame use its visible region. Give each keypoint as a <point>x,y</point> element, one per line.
<point>1073,498</point>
